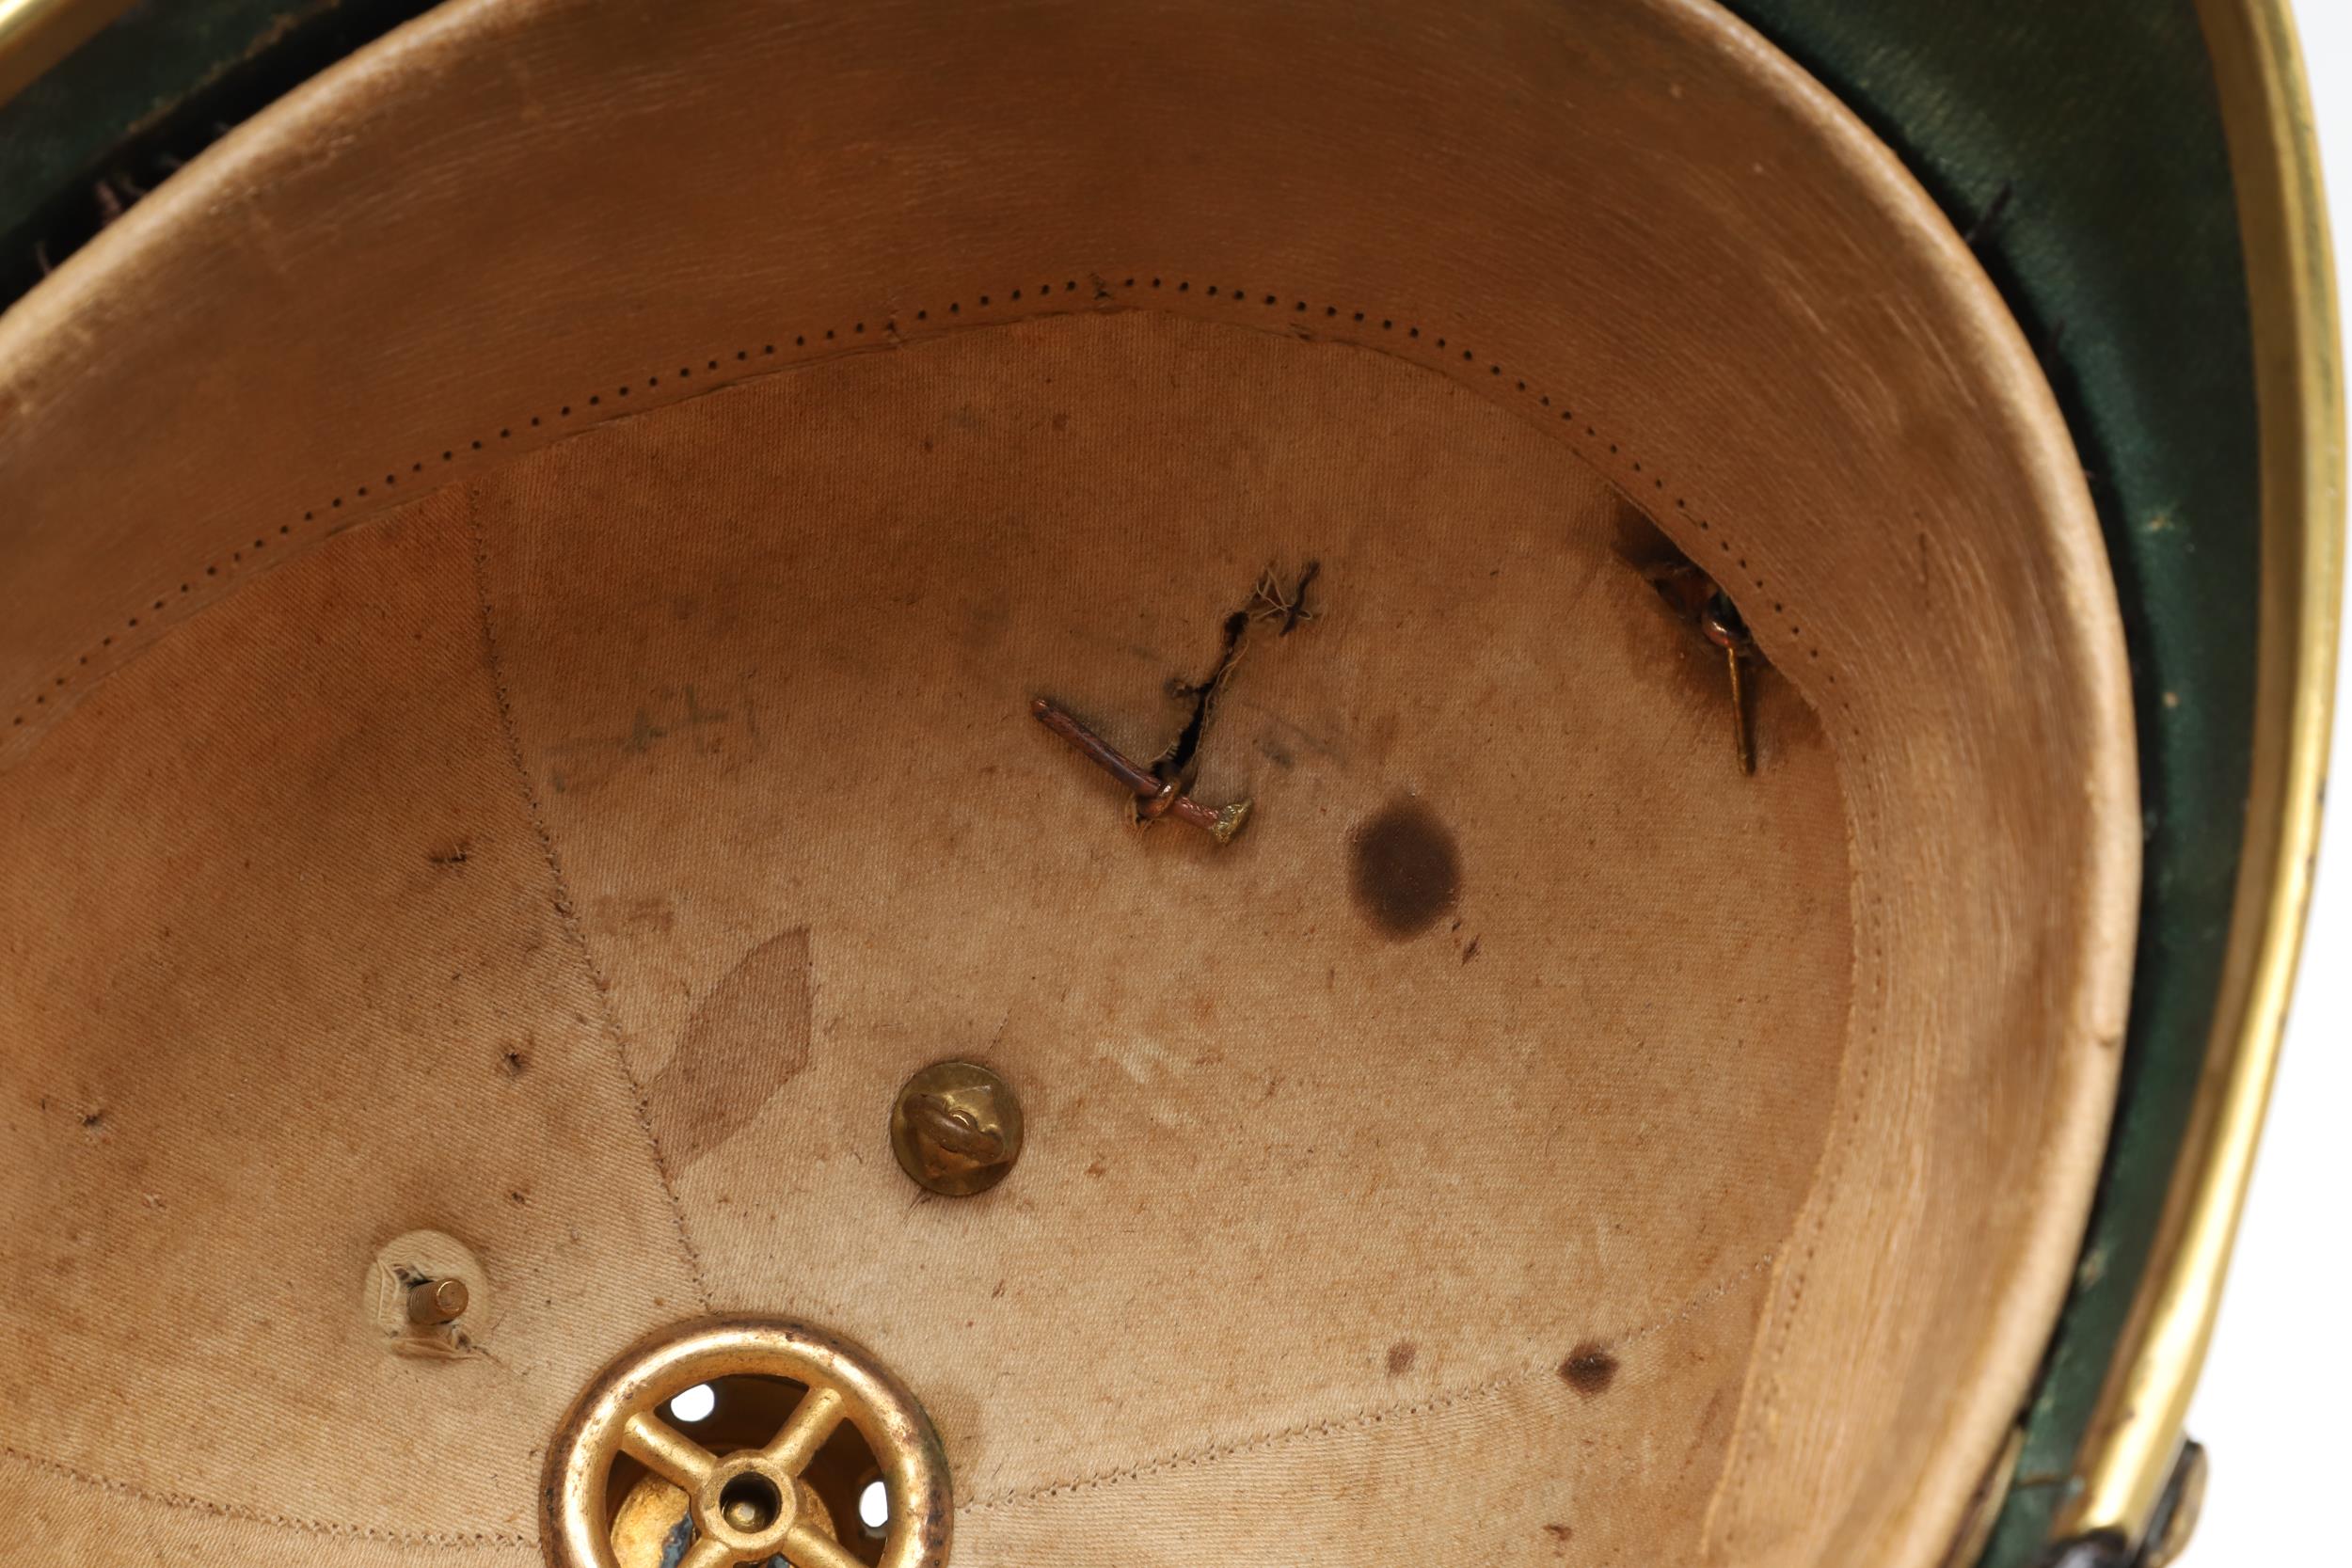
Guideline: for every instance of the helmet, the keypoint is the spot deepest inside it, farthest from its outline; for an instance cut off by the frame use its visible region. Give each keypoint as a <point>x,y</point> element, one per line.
<point>1504,782</point>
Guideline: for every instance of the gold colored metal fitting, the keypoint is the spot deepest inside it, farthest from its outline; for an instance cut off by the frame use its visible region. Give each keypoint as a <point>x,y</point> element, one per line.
<point>648,1523</point>
<point>956,1129</point>
<point>1724,628</point>
<point>435,1302</point>
<point>751,1505</point>
<point>1700,600</point>
<point>2126,1458</point>
<point>37,34</point>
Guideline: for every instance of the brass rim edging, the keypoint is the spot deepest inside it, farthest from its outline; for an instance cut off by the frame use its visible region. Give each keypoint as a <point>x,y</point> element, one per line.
<point>2137,1428</point>
<point>37,34</point>
<point>620,1413</point>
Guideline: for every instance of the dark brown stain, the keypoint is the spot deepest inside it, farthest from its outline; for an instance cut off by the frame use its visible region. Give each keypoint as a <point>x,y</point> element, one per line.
<point>1401,1357</point>
<point>1404,869</point>
<point>515,1060</point>
<point>748,1038</point>
<point>1471,951</point>
<point>1589,1369</point>
<point>1559,1533</point>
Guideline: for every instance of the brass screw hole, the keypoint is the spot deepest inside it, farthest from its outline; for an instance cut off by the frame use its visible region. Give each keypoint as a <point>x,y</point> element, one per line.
<point>750,1503</point>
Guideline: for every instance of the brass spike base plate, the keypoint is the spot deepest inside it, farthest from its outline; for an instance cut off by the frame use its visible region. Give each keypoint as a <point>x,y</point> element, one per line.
<point>747,1506</point>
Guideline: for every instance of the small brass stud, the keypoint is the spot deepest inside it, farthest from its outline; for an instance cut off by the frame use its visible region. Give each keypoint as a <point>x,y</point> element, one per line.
<point>435,1302</point>
<point>956,1129</point>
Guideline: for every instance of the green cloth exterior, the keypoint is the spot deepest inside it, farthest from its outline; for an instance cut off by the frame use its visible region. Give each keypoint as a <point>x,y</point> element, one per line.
<point>2117,248</point>
<point>149,91</point>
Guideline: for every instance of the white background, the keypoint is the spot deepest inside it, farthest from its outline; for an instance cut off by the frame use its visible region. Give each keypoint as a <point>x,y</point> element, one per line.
<point>2275,1406</point>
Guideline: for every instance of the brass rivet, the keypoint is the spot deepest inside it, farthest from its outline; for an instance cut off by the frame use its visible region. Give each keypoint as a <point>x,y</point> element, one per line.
<point>956,1129</point>
<point>433,1302</point>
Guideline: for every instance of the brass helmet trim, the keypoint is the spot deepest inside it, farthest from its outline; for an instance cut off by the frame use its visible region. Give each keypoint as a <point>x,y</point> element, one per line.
<point>619,1414</point>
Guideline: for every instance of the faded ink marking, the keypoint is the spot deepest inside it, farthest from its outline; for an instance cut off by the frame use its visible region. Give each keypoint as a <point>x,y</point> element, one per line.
<point>729,735</point>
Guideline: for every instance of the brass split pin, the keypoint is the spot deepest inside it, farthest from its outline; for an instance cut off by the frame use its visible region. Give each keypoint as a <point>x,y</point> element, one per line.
<point>1723,628</point>
<point>1155,796</point>
<point>1694,595</point>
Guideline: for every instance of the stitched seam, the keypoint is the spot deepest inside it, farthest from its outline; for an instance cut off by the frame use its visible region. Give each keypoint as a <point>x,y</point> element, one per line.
<point>1401,337</point>
<point>567,908</point>
<point>1211,1453</point>
<point>246,1514</point>
<point>1744,1460</point>
<point>1395,337</point>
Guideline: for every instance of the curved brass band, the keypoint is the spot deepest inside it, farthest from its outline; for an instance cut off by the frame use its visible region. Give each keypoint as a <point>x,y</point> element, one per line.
<point>37,34</point>
<point>2137,1429</point>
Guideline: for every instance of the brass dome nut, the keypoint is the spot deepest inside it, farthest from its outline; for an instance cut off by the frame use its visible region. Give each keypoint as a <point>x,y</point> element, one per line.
<point>956,1129</point>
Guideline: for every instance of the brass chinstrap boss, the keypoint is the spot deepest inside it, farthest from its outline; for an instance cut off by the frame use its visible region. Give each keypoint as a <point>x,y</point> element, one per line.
<point>957,1129</point>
